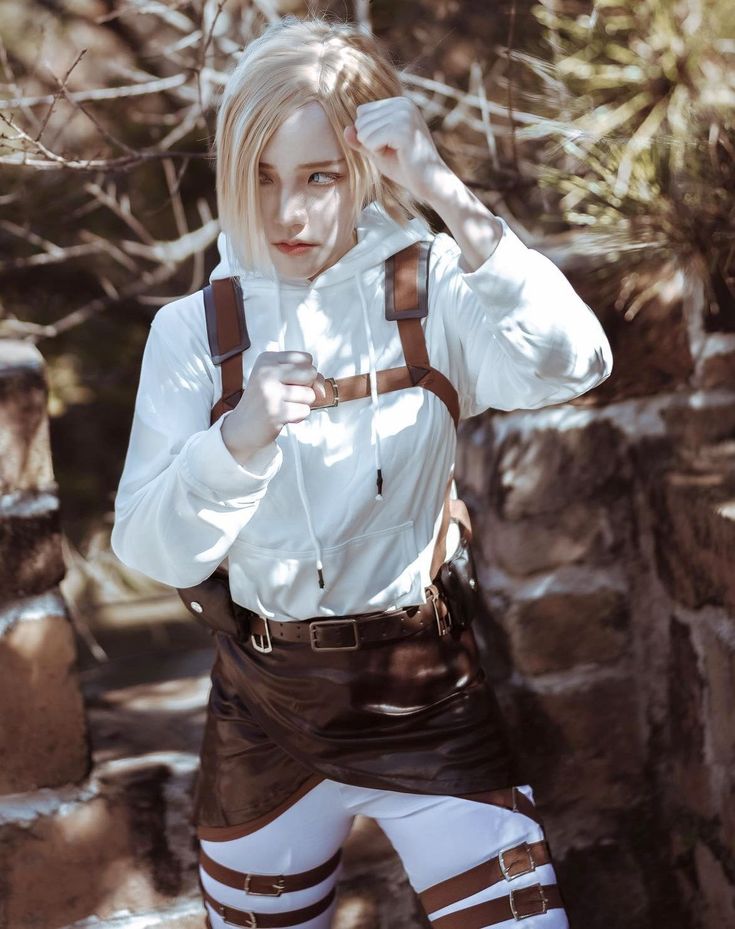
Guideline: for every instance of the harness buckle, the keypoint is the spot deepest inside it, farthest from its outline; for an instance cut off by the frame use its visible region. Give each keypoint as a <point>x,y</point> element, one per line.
<point>333,624</point>
<point>534,893</point>
<point>278,885</point>
<point>335,396</point>
<point>261,642</point>
<point>509,870</point>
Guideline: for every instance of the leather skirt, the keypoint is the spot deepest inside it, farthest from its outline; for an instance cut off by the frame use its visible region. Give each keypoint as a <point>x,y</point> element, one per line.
<point>415,714</point>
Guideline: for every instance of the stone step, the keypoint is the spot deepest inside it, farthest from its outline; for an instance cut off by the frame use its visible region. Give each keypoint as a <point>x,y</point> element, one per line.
<point>119,850</point>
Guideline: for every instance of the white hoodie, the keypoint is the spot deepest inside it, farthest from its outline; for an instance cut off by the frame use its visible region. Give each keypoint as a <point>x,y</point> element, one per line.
<point>511,335</point>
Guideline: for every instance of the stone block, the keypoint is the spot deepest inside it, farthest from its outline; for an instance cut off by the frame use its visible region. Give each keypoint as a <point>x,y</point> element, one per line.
<point>558,630</point>
<point>694,533</point>
<point>25,456</point>
<point>579,741</point>
<point>31,559</point>
<point>604,888</point>
<point>42,736</point>
<point>691,425</point>
<point>546,470</point>
<point>716,902</point>
<point>579,532</point>
<point>716,640</point>
<point>109,850</point>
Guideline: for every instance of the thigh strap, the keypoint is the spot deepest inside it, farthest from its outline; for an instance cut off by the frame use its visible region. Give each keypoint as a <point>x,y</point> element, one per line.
<point>268,885</point>
<point>508,864</point>
<point>519,904</point>
<point>510,798</point>
<point>250,920</point>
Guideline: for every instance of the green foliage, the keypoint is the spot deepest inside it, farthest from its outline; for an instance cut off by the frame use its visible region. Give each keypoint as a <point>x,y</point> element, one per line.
<point>638,113</point>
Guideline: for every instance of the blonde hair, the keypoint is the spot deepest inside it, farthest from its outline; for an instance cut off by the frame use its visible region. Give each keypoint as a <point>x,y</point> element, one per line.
<point>290,64</point>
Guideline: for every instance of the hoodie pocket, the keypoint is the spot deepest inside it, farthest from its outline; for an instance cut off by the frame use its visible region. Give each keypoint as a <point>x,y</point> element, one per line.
<point>373,571</point>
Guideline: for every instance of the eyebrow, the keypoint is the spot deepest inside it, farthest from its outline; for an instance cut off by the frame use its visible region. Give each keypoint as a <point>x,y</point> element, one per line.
<point>309,164</point>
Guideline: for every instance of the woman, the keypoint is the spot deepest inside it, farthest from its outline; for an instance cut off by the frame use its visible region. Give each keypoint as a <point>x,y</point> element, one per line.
<point>351,688</point>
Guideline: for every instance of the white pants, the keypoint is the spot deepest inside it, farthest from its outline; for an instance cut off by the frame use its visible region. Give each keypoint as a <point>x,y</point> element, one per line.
<point>437,838</point>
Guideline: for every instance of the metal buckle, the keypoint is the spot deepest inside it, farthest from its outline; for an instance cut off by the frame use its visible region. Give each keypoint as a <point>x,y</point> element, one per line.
<point>542,899</point>
<point>252,923</point>
<point>335,394</point>
<point>443,624</point>
<point>257,640</point>
<point>279,885</point>
<point>318,623</point>
<point>505,869</point>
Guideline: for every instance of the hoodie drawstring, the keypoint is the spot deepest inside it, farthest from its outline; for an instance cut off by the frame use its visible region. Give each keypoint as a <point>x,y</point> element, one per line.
<point>375,403</point>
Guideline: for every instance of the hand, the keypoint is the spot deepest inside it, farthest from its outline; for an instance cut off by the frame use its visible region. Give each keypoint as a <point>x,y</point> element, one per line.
<point>279,391</point>
<point>393,134</point>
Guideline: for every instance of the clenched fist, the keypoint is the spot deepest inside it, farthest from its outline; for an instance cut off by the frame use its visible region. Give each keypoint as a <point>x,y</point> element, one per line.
<point>280,390</point>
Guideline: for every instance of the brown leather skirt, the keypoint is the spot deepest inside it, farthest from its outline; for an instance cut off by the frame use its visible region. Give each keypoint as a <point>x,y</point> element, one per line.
<point>414,714</point>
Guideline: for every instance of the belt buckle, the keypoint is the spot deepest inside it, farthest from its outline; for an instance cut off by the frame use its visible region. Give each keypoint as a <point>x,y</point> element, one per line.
<point>262,643</point>
<point>542,900</point>
<point>335,395</point>
<point>443,624</point>
<point>506,869</point>
<point>278,886</point>
<point>318,623</point>
<point>252,921</point>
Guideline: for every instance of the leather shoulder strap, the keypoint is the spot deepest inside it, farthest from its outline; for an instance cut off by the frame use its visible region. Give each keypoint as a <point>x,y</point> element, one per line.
<point>227,333</point>
<point>407,302</point>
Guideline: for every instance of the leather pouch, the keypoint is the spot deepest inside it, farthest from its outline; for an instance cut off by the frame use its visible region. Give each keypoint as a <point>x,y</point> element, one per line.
<point>211,605</point>
<point>457,579</point>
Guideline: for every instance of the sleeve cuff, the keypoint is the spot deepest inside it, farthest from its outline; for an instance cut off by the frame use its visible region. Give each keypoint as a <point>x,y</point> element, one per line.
<point>500,278</point>
<point>212,470</point>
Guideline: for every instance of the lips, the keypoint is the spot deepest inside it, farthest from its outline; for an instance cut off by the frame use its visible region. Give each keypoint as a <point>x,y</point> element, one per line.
<point>296,248</point>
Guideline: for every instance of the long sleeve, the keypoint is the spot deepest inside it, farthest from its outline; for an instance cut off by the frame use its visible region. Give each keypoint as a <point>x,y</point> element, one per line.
<point>182,498</point>
<point>519,336</point>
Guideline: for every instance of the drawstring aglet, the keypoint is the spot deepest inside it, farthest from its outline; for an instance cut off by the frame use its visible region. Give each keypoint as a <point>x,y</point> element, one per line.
<point>379,495</point>
<point>320,574</point>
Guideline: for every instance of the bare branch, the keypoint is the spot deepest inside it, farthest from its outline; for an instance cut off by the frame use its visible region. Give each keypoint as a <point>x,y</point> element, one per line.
<point>102,93</point>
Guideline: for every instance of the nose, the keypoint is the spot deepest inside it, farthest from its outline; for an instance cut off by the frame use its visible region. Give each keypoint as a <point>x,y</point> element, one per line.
<point>291,209</point>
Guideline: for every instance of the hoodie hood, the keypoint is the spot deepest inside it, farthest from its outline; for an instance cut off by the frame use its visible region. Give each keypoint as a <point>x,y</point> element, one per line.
<point>378,237</point>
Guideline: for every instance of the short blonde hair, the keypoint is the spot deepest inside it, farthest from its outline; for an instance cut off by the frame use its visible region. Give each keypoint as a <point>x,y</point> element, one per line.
<point>291,63</point>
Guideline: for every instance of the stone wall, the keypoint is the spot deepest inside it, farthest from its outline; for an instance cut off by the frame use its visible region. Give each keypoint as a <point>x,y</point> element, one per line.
<point>606,544</point>
<point>42,739</point>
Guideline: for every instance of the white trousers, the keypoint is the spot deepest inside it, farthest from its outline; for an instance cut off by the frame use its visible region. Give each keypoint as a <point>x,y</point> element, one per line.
<point>436,837</point>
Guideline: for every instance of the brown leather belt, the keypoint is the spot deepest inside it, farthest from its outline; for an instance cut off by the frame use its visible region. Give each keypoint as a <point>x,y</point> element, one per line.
<point>519,904</point>
<point>509,864</point>
<point>268,885</point>
<point>350,632</point>
<point>251,920</point>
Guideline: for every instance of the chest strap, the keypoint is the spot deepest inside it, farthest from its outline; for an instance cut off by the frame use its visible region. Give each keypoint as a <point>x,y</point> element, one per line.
<point>406,302</point>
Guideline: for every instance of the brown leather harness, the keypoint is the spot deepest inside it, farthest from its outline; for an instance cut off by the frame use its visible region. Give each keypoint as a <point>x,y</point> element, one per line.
<point>406,303</point>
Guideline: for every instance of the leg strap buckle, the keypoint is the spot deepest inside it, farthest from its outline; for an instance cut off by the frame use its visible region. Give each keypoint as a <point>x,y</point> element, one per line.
<point>524,899</point>
<point>278,885</point>
<point>513,866</point>
<point>223,910</point>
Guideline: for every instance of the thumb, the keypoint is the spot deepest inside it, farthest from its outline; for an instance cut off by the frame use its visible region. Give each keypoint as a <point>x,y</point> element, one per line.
<point>350,137</point>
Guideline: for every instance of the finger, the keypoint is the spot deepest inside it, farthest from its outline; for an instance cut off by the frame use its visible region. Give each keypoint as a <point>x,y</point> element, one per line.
<point>293,393</point>
<point>295,412</point>
<point>297,375</point>
<point>294,357</point>
<point>370,122</point>
<point>382,136</point>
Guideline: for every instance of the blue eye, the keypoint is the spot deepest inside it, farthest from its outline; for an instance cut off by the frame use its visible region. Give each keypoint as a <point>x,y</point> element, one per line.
<point>264,179</point>
<point>332,177</point>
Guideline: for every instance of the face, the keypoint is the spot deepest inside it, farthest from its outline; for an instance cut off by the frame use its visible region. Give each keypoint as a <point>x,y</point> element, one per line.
<point>305,195</point>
